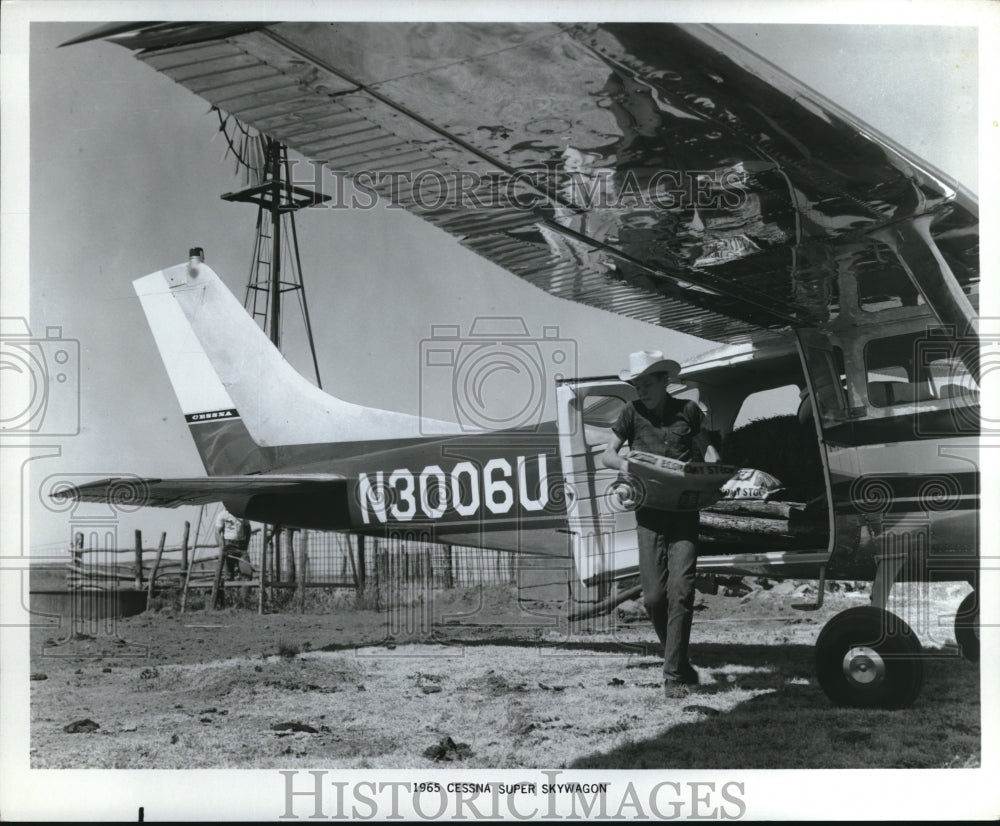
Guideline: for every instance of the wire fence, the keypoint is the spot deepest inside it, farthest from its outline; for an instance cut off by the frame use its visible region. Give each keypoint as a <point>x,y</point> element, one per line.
<point>391,570</point>
<point>344,560</point>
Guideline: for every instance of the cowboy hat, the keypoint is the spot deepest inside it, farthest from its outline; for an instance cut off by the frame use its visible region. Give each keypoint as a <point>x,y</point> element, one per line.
<point>647,362</point>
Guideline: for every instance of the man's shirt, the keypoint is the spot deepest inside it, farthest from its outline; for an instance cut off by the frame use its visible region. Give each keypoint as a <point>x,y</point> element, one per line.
<point>233,529</point>
<point>671,435</point>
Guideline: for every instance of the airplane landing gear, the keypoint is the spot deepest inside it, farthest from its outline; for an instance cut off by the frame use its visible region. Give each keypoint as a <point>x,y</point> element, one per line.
<point>867,657</point>
<point>967,627</point>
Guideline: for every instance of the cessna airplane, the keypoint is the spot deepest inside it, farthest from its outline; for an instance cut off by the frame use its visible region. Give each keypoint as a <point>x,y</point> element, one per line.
<point>662,172</point>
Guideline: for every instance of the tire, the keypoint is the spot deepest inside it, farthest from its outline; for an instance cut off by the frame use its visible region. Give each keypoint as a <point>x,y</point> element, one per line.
<point>967,627</point>
<point>869,658</point>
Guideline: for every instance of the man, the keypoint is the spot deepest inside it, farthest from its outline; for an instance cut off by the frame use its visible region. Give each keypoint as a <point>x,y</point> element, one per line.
<point>661,424</point>
<point>234,534</point>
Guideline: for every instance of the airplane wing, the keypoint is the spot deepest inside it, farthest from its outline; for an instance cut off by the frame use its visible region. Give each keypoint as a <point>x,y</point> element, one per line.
<point>134,491</point>
<point>662,172</point>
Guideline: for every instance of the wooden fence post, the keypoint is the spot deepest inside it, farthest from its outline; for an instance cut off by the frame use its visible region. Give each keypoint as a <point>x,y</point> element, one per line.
<point>138,560</point>
<point>262,571</point>
<point>292,572</point>
<point>383,563</point>
<point>217,582</point>
<point>354,567</point>
<point>184,547</point>
<point>156,567</point>
<point>449,577</point>
<point>78,552</point>
<point>187,583</point>
<point>394,571</point>
<point>361,565</point>
<point>276,538</point>
<point>377,576</point>
<point>303,563</point>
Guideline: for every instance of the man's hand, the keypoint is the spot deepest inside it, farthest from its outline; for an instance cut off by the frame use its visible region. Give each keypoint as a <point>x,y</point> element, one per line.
<point>626,492</point>
<point>610,457</point>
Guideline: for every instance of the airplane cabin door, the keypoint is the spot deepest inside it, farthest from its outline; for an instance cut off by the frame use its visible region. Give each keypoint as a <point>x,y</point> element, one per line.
<point>898,418</point>
<point>604,543</point>
<point>825,373</point>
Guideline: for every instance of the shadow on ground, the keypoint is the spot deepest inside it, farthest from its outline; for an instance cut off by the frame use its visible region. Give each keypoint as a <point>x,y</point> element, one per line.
<point>789,723</point>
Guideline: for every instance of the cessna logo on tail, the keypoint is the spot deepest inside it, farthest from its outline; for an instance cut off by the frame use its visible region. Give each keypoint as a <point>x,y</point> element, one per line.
<point>214,414</point>
<point>467,489</point>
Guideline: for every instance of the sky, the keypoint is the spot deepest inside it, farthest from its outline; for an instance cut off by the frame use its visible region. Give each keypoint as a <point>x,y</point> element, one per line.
<point>126,171</point>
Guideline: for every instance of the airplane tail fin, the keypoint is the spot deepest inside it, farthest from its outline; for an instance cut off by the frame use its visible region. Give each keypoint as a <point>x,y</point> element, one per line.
<point>237,393</point>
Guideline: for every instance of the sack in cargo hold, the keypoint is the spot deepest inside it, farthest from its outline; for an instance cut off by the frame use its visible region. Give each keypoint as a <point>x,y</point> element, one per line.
<point>652,481</point>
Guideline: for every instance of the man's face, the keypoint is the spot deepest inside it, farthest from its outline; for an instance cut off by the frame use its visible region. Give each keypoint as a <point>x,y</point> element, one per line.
<point>652,389</point>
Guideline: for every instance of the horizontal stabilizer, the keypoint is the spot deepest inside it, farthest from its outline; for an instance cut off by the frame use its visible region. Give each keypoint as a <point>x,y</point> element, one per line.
<point>173,493</point>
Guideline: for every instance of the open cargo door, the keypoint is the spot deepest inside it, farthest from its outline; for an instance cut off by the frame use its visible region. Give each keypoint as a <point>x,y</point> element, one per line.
<point>603,537</point>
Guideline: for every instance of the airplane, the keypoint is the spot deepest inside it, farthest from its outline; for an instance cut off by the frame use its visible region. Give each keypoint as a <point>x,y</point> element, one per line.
<point>662,172</point>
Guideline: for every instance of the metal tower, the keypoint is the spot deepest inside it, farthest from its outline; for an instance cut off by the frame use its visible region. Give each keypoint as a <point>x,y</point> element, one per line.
<point>276,267</point>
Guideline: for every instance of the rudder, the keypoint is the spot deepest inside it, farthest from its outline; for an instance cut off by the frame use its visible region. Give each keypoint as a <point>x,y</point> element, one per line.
<point>235,388</point>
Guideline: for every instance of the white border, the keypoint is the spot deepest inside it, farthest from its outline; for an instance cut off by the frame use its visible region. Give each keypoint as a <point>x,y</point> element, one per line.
<point>843,794</point>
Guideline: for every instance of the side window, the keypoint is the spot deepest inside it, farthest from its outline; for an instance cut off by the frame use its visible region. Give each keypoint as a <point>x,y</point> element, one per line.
<point>778,401</point>
<point>886,290</point>
<point>883,283</point>
<point>602,411</point>
<point>950,379</point>
<point>916,367</point>
<point>947,374</point>
<point>826,370</point>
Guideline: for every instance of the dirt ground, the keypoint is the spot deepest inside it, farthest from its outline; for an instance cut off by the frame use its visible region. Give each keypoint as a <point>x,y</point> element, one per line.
<point>511,683</point>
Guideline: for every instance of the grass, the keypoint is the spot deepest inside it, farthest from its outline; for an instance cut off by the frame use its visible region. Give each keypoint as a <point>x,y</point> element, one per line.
<point>554,700</point>
<point>515,707</point>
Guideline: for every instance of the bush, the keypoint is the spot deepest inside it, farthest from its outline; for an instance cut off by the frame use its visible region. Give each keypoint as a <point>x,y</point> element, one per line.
<point>288,650</point>
<point>166,599</point>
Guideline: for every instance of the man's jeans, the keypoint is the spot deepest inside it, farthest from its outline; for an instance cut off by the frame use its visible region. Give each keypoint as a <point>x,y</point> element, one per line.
<point>237,562</point>
<point>668,554</point>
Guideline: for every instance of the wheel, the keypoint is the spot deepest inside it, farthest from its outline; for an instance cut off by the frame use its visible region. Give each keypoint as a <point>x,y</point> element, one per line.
<point>967,627</point>
<point>869,658</point>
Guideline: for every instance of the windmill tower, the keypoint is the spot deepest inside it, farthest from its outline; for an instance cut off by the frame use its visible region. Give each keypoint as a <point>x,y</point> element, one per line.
<point>275,266</point>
